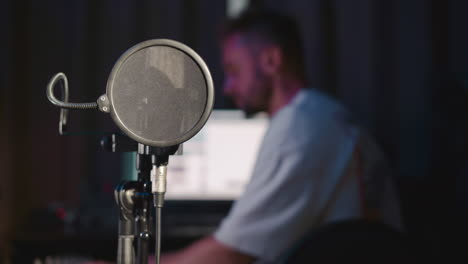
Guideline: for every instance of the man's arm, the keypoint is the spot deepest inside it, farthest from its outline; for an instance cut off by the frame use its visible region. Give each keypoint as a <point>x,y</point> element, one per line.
<point>207,250</point>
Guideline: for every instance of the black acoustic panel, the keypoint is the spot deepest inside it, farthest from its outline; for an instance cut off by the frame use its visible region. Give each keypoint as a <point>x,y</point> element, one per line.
<point>160,92</point>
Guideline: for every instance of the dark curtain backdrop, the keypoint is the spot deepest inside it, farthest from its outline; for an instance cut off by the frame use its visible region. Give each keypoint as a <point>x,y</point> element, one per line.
<point>401,66</point>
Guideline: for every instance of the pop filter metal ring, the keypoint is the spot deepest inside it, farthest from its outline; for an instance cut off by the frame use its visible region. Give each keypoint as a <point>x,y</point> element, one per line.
<point>107,104</point>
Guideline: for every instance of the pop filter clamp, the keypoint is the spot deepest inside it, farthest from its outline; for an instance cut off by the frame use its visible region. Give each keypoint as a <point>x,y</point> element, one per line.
<point>160,94</point>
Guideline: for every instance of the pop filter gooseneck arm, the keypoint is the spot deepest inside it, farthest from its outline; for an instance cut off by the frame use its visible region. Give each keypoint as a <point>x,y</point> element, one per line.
<point>64,105</point>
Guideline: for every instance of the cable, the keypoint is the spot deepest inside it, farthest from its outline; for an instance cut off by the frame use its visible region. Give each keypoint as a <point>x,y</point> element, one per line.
<point>157,235</point>
<point>159,182</point>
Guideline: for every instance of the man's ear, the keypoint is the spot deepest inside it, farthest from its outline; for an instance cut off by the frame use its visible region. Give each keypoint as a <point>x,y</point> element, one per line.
<point>271,59</point>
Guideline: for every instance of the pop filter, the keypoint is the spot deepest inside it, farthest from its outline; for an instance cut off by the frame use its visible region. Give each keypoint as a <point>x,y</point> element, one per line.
<point>160,93</point>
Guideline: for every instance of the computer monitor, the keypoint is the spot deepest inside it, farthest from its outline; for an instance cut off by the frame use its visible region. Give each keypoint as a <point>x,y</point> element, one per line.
<point>217,163</point>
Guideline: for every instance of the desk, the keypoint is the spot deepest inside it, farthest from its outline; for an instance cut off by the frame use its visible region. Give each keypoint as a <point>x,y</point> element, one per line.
<point>183,222</point>
<point>28,248</point>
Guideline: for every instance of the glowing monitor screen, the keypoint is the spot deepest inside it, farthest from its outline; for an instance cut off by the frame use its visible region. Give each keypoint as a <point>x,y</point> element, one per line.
<point>217,163</point>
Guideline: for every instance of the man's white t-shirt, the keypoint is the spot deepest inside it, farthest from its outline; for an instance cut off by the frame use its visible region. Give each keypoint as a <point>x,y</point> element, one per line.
<point>314,166</point>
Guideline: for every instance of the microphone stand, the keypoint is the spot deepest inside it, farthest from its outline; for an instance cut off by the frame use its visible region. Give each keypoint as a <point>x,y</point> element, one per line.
<point>142,210</point>
<point>134,199</point>
<point>124,197</point>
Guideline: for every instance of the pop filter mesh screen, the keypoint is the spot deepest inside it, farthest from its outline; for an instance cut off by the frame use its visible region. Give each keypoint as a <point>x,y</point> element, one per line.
<point>159,93</point>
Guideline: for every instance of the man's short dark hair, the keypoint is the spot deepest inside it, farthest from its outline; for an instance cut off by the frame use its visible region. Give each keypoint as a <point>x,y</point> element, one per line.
<point>271,27</point>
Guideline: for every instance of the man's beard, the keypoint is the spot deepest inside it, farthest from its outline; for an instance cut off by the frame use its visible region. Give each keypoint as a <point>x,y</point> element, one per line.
<point>261,97</point>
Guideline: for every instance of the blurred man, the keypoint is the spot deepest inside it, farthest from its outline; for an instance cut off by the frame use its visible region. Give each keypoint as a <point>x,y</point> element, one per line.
<point>314,166</point>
